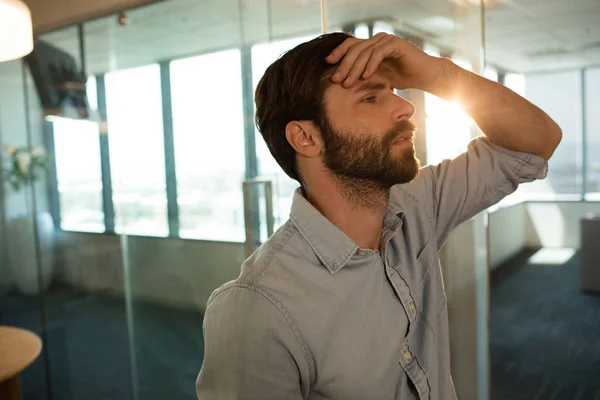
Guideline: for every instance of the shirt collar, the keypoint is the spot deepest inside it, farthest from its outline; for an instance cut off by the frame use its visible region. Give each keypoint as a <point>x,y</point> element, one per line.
<point>332,246</point>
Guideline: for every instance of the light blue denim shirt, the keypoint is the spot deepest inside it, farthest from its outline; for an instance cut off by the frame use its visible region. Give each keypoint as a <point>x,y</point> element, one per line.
<point>313,316</point>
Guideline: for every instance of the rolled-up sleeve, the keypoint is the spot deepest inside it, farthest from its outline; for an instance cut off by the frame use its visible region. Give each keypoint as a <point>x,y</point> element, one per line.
<point>250,350</point>
<point>457,189</point>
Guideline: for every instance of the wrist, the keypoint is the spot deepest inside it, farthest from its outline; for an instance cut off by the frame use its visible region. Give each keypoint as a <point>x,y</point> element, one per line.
<point>445,75</point>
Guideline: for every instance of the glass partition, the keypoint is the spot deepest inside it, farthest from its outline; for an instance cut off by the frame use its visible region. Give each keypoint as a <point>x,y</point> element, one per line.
<point>144,186</point>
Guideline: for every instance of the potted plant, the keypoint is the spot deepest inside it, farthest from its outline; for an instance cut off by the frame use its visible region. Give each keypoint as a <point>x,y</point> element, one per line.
<point>26,166</point>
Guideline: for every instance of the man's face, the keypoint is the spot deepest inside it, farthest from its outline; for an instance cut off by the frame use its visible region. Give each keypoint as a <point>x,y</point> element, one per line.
<point>369,134</point>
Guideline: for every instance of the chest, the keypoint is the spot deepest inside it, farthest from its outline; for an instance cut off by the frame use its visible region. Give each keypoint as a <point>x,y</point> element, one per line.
<point>361,317</point>
<point>357,335</point>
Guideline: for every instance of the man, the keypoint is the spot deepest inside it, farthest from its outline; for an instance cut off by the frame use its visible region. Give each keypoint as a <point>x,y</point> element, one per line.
<point>345,300</point>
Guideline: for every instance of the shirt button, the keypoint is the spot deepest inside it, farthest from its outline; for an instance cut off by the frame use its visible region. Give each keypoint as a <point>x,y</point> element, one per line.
<point>361,253</point>
<point>411,306</point>
<point>407,356</point>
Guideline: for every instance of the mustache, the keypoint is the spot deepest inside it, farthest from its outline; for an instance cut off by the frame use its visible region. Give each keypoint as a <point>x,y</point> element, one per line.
<point>402,128</point>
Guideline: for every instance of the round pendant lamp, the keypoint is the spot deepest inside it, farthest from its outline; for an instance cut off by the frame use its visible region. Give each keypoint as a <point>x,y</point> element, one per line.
<point>16,33</point>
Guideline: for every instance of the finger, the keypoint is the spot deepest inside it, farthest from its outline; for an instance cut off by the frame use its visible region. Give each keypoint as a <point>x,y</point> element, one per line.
<point>383,50</point>
<point>339,52</point>
<point>358,67</point>
<point>345,65</point>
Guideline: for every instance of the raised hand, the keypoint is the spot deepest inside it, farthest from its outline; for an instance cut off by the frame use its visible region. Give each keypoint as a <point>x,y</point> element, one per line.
<point>404,64</point>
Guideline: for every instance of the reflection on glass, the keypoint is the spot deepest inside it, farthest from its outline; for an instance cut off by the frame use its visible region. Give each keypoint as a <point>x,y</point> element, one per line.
<point>135,133</point>
<point>209,145</point>
<point>77,153</point>
<point>592,132</point>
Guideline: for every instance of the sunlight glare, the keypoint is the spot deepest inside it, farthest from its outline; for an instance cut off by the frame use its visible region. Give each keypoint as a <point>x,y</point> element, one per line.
<point>552,256</point>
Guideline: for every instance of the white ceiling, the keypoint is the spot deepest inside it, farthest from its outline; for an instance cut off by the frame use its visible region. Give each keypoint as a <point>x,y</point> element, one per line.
<point>520,35</point>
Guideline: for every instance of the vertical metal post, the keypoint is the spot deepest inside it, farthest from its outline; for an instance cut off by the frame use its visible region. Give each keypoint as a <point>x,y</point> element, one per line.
<point>52,176</point>
<point>37,245</point>
<point>169,149</point>
<point>584,153</point>
<point>249,133</point>
<point>107,200</point>
<point>252,217</point>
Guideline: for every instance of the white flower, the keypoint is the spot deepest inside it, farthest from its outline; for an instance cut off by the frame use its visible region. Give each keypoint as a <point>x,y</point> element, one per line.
<point>38,151</point>
<point>23,162</point>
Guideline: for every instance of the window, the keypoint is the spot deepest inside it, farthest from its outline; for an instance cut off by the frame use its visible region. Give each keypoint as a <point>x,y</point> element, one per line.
<point>208,126</point>
<point>283,191</point>
<point>592,149</point>
<point>77,154</point>
<point>559,95</point>
<point>136,143</point>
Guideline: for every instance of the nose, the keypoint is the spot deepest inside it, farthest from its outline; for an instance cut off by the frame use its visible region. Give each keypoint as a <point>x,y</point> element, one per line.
<point>403,110</point>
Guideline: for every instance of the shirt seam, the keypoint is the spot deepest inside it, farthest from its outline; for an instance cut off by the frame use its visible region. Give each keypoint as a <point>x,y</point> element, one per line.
<point>269,256</point>
<point>429,217</point>
<point>284,312</point>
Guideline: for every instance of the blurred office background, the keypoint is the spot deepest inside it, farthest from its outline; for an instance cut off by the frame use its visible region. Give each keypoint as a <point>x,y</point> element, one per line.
<point>111,253</point>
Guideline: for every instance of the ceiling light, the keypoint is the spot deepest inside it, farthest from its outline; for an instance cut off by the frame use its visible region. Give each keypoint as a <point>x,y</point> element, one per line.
<point>16,33</point>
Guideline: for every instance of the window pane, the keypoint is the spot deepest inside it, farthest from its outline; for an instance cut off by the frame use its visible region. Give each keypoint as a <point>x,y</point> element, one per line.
<point>559,95</point>
<point>592,105</point>
<point>77,152</point>
<point>516,83</point>
<point>135,135</point>
<point>209,145</point>
<point>262,56</point>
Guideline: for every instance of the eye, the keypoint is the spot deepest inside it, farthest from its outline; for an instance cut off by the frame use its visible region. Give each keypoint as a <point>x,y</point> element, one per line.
<point>370,99</point>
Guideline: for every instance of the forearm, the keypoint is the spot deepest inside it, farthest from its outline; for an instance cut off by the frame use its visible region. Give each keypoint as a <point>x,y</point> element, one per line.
<point>505,117</point>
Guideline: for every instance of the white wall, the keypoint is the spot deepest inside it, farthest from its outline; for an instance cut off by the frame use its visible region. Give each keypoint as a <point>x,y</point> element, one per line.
<point>555,224</point>
<point>176,272</point>
<point>507,233</point>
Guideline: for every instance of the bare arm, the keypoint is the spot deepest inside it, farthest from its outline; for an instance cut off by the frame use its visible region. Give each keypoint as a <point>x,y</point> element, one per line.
<point>505,117</point>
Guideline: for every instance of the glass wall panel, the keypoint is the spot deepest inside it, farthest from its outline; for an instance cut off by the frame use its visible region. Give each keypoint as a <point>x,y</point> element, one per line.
<point>166,147</point>
<point>208,125</point>
<point>565,166</point>
<point>135,135</point>
<point>452,29</point>
<point>592,132</point>
<point>79,178</point>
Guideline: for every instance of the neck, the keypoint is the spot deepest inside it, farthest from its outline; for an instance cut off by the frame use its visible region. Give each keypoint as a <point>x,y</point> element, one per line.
<point>356,207</point>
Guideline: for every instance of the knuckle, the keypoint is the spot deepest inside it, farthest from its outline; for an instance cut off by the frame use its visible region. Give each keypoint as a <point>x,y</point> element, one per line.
<point>378,52</point>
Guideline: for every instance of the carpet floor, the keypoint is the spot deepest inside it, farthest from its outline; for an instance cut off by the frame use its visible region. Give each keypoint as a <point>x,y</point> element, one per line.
<point>544,341</point>
<point>544,332</point>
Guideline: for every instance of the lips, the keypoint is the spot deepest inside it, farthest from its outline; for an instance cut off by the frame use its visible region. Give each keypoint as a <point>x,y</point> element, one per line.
<point>404,137</point>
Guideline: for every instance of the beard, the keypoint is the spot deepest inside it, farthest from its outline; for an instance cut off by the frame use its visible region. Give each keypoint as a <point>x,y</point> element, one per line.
<point>364,165</point>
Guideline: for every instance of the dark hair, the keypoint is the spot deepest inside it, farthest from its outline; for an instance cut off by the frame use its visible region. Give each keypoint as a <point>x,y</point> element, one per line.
<point>292,89</point>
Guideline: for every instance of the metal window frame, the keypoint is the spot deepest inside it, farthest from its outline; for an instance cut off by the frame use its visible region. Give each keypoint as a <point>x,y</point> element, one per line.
<point>52,175</point>
<point>107,191</point>
<point>584,138</point>
<point>251,164</point>
<point>169,148</point>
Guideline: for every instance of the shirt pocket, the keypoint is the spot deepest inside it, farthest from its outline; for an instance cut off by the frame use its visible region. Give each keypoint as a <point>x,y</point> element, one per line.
<point>431,294</point>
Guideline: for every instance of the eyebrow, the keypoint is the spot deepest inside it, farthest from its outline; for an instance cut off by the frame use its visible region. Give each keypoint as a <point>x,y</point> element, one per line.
<point>372,86</point>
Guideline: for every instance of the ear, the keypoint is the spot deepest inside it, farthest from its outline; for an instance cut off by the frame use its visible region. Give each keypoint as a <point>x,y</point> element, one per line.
<point>304,137</point>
